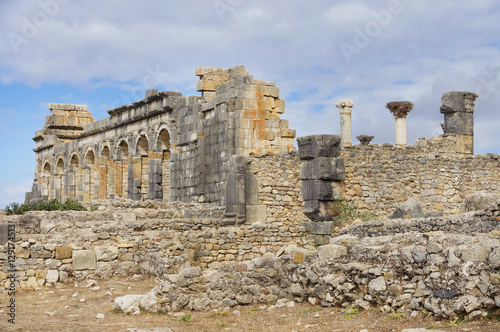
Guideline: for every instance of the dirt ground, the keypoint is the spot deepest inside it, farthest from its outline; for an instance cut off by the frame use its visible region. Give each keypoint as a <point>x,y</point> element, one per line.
<point>61,309</point>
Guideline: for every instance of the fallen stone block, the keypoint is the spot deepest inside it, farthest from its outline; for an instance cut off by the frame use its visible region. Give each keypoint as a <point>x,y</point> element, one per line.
<point>84,260</point>
<point>410,209</point>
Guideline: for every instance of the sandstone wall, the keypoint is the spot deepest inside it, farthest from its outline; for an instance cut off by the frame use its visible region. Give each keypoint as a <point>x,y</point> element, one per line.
<point>163,147</point>
<point>446,273</point>
<point>126,237</point>
<point>279,186</point>
<point>382,177</point>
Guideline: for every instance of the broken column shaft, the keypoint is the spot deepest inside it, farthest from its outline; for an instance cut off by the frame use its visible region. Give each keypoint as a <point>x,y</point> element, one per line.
<point>458,110</point>
<point>345,108</point>
<point>400,110</point>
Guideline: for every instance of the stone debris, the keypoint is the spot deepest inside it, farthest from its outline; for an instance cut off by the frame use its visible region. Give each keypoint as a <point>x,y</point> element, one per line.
<point>100,316</point>
<point>410,209</point>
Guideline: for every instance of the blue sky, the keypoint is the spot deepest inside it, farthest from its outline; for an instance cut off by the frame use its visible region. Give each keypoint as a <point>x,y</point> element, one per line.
<point>106,53</point>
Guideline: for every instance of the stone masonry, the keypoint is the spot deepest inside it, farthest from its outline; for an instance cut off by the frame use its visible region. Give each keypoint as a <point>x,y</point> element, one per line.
<point>163,147</point>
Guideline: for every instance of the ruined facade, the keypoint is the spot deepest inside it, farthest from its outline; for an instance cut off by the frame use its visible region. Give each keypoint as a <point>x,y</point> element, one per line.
<point>164,147</point>
<point>231,147</point>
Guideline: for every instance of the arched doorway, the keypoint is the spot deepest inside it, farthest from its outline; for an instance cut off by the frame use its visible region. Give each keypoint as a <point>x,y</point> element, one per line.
<point>89,177</point>
<point>121,170</point>
<point>141,168</point>
<point>163,146</point>
<point>45,180</point>
<point>104,176</point>
<point>73,177</point>
<point>59,179</point>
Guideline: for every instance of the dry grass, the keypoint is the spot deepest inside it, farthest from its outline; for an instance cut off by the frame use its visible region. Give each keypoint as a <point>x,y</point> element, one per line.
<point>55,309</point>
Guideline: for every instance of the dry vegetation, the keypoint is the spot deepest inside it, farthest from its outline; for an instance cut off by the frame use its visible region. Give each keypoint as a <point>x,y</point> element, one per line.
<point>56,309</point>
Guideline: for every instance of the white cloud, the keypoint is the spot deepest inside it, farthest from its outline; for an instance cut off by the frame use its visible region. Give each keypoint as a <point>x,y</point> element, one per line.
<point>427,49</point>
<point>13,192</point>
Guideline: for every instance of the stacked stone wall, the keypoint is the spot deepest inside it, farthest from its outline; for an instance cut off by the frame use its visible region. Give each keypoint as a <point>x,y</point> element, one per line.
<point>382,177</point>
<point>126,237</point>
<point>279,186</point>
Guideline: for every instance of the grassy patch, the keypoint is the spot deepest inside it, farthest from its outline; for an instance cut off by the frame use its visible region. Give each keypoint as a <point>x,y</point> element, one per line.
<point>456,321</point>
<point>397,315</point>
<point>186,318</point>
<point>52,205</point>
<point>348,312</point>
<point>310,311</point>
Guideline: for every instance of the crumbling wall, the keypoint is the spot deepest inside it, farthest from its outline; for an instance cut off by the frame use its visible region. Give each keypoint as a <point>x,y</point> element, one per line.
<point>446,274</point>
<point>163,147</point>
<point>124,237</point>
<point>382,177</point>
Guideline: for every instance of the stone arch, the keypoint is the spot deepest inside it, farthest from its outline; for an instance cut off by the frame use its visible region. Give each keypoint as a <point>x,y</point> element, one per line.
<point>89,158</point>
<point>142,145</point>
<point>140,167</point>
<point>121,169</point>
<point>121,150</point>
<point>105,152</point>
<point>59,178</point>
<point>106,173</point>
<point>89,176</point>
<point>162,179</point>
<point>46,170</point>
<point>73,176</point>
<point>44,180</point>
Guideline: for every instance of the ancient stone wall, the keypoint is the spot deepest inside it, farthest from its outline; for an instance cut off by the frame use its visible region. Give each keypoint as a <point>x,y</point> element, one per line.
<point>164,147</point>
<point>126,237</point>
<point>382,177</point>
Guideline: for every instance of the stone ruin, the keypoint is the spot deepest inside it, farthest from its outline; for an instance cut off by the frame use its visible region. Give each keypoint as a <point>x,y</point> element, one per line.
<point>165,147</point>
<point>201,190</point>
<point>212,149</point>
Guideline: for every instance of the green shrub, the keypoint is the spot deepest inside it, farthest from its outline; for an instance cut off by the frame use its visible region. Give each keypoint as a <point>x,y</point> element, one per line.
<point>52,205</point>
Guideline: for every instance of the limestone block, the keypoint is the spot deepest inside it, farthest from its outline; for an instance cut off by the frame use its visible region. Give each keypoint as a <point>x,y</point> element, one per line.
<point>319,210</point>
<point>465,144</point>
<point>63,252</point>
<point>331,251</point>
<point>52,276</point>
<point>128,303</point>
<point>84,260</point>
<point>318,146</point>
<point>255,213</point>
<point>106,253</point>
<point>320,190</point>
<point>409,209</point>
<point>476,253</point>
<point>323,168</point>
<point>22,252</point>
<point>377,285</point>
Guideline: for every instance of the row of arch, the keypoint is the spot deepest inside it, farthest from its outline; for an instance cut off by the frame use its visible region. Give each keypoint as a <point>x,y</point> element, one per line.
<point>135,166</point>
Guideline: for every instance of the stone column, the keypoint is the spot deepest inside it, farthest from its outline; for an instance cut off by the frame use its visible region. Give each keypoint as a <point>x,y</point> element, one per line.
<point>458,110</point>
<point>321,173</point>
<point>400,110</point>
<point>345,107</point>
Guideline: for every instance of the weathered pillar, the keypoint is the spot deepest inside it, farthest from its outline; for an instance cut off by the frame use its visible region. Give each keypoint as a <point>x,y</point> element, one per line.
<point>364,139</point>
<point>345,107</point>
<point>155,190</point>
<point>458,110</point>
<point>322,170</point>
<point>400,110</point>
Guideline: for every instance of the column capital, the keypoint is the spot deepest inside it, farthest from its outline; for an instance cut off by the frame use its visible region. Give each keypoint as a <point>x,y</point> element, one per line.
<point>400,109</point>
<point>345,105</point>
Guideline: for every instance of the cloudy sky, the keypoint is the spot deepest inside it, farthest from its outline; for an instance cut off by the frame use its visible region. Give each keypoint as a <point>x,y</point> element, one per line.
<point>106,53</point>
